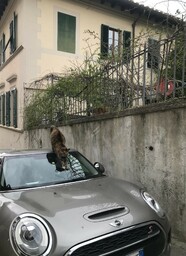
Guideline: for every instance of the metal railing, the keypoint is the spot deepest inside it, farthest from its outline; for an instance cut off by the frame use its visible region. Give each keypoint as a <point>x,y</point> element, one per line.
<point>149,76</point>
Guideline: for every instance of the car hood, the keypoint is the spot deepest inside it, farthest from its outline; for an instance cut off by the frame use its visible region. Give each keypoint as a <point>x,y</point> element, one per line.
<point>83,210</point>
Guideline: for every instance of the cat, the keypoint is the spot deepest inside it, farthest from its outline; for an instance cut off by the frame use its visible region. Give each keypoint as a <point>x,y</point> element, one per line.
<point>58,146</point>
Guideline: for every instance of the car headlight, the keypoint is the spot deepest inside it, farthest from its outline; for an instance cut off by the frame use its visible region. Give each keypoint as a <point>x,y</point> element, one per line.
<point>153,204</point>
<point>30,235</point>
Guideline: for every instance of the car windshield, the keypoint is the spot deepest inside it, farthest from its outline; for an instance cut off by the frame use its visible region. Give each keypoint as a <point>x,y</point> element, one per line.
<point>39,170</point>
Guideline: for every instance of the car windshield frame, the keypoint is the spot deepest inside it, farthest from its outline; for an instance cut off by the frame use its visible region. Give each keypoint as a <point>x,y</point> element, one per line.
<point>36,170</point>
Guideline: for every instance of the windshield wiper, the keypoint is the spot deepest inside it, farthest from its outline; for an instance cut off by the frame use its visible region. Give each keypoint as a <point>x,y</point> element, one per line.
<point>95,176</point>
<point>69,180</point>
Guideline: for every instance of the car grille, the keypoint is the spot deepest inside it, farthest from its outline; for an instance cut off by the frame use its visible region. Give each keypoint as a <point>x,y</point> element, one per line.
<point>149,237</point>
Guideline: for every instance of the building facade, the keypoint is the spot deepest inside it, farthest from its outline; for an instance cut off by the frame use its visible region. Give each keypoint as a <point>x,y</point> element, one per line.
<point>40,37</point>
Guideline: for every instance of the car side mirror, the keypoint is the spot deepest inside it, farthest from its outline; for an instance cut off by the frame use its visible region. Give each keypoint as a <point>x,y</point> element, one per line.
<point>99,167</point>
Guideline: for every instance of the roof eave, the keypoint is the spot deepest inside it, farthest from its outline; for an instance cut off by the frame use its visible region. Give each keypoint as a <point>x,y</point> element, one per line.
<point>3,5</point>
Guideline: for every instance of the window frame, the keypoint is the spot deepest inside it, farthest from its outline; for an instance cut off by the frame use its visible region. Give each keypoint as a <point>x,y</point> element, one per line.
<point>123,44</point>
<point>113,52</point>
<point>12,41</point>
<point>9,108</point>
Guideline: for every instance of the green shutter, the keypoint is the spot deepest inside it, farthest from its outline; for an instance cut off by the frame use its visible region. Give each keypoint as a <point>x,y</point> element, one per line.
<point>0,110</point>
<point>3,49</point>
<point>104,40</point>
<point>13,34</point>
<point>126,46</point>
<point>15,108</point>
<point>1,52</point>
<point>8,109</point>
<point>11,37</point>
<point>3,109</point>
<point>66,41</point>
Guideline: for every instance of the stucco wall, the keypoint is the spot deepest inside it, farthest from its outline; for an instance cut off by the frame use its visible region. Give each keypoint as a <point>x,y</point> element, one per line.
<point>37,53</point>
<point>11,138</point>
<point>146,148</point>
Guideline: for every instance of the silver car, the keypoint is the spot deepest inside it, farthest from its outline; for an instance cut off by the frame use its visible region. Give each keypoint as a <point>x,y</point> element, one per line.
<point>79,211</point>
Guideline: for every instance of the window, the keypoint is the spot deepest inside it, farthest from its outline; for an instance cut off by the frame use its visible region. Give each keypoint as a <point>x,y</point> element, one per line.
<point>66,40</point>
<point>111,42</point>
<point>153,54</point>
<point>8,108</point>
<point>2,50</point>
<point>11,41</point>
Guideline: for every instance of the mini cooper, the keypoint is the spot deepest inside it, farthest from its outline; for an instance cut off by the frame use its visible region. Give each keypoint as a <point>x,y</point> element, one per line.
<point>79,211</point>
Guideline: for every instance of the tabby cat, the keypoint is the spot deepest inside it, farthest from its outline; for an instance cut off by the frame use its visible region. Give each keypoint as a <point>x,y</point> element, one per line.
<point>58,146</point>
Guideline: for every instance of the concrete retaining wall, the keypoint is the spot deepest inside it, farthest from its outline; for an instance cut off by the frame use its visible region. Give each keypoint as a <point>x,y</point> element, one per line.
<point>146,147</point>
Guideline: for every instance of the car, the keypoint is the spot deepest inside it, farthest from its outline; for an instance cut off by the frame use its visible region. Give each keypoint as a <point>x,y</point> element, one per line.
<point>78,211</point>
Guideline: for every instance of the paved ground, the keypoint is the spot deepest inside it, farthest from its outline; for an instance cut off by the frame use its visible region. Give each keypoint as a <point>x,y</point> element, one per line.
<point>178,248</point>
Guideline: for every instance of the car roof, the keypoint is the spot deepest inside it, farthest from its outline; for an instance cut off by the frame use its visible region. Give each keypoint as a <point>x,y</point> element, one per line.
<point>14,152</point>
